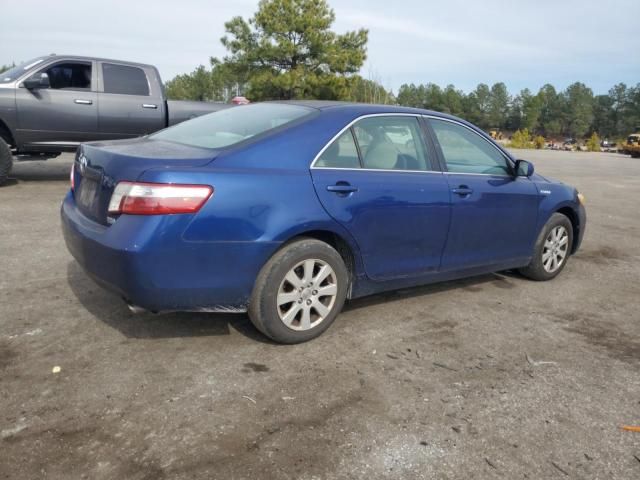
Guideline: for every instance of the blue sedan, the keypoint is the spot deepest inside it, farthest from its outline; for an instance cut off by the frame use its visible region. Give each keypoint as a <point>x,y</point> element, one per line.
<point>284,210</point>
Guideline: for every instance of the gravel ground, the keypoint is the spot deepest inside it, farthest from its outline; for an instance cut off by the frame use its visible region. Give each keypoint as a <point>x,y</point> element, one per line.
<point>491,377</point>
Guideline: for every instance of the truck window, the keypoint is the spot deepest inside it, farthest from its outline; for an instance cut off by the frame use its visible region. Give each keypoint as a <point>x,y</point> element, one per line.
<point>70,76</point>
<point>124,80</point>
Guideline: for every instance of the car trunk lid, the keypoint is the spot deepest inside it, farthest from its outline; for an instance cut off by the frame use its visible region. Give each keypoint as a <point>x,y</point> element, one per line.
<point>99,166</point>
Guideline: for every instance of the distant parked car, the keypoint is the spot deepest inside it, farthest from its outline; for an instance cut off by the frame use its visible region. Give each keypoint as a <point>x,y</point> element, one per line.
<point>285,210</point>
<point>570,144</point>
<point>50,104</point>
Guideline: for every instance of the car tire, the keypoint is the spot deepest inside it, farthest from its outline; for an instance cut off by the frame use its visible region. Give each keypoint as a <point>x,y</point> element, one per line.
<point>6,161</point>
<point>299,291</point>
<point>552,249</point>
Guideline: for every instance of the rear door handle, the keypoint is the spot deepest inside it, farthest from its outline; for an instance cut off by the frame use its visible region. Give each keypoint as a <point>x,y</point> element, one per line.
<point>149,105</point>
<point>462,190</point>
<point>342,188</point>
<point>83,102</point>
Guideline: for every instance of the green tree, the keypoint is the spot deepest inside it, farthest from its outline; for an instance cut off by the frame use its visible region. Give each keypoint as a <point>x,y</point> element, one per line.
<point>551,111</point>
<point>369,91</point>
<point>197,85</point>
<point>593,144</point>
<point>579,109</point>
<point>4,68</point>
<point>531,110</point>
<point>604,115</point>
<point>498,105</point>
<point>452,100</point>
<point>287,50</point>
<point>521,139</point>
<point>478,105</point>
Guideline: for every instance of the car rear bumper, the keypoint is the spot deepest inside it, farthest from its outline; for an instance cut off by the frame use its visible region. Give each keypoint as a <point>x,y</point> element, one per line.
<point>146,260</point>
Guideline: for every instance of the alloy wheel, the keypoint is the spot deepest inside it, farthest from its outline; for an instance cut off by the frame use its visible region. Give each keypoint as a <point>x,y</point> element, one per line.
<point>307,294</point>
<point>556,248</point>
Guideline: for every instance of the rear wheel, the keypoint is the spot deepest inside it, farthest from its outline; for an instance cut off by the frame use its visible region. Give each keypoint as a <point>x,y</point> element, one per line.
<point>6,161</point>
<point>299,292</point>
<point>552,249</point>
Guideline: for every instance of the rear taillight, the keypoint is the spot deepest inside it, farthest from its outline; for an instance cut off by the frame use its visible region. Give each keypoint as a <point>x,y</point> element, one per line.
<point>158,198</point>
<point>72,176</point>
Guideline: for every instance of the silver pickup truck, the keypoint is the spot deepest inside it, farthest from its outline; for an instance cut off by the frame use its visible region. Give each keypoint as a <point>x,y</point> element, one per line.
<point>51,104</point>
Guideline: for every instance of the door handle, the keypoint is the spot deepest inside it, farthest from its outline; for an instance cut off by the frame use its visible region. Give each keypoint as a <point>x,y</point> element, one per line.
<point>342,188</point>
<point>83,102</point>
<point>462,190</point>
<point>149,105</point>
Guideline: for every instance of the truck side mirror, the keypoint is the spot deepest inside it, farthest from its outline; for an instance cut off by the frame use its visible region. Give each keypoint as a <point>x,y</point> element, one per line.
<point>39,80</point>
<point>523,168</point>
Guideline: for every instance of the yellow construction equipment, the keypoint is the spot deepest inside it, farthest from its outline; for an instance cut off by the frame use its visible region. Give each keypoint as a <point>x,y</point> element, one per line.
<point>495,133</point>
<point>632,145</point>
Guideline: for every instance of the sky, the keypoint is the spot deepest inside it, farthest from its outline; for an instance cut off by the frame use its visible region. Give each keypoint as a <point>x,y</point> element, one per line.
<point>524,44</point>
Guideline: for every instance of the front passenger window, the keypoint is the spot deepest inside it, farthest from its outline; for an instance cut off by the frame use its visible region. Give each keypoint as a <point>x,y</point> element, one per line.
<point>69,76</point>
<point>467,152</point>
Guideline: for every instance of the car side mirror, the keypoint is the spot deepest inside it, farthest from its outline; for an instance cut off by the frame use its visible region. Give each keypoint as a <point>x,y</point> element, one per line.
<point>39,80</point>
<point>523,168</point>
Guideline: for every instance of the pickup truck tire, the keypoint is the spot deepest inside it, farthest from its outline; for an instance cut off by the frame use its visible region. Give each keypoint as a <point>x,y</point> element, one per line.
<point>6,161</point>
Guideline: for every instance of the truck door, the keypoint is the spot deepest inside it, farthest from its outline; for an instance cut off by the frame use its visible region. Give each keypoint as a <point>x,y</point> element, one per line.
<point>64,114</point>
<point>131,103</point>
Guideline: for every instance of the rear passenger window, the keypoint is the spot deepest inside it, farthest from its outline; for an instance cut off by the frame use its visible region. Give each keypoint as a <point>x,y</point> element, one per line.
<point>391,143</point>
<point>342,153</point>
<point>124,79</point>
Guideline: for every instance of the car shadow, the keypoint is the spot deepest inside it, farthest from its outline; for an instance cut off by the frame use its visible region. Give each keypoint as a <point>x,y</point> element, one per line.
<point>113,311</point>
<point>38,171</point>
<point>502,280</point>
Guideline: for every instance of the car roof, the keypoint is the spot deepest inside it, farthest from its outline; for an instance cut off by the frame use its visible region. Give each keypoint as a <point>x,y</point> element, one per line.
<point>364,108</point>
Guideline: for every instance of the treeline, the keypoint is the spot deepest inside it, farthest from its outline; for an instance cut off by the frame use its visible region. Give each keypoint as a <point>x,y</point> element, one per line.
<point>221,84</point>
<point>575,112</point>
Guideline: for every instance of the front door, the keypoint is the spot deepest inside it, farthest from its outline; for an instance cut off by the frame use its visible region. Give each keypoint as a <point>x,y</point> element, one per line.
<point>377,179</point>
<point>493,213</point>
<point>66,113</point>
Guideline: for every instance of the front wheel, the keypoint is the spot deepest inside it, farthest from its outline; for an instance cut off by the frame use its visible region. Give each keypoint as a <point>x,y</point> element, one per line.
<point>552,249</point>
<point>299,292</point>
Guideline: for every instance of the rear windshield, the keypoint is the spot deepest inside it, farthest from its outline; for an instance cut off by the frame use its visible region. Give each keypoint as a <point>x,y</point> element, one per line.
<point>232,125</point>
<point>15,72</point>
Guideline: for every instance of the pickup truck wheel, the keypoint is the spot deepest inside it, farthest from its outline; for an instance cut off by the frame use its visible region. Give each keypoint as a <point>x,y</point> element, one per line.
<point>552,249</point>
<point>299,292</point>
<point>6,161</point>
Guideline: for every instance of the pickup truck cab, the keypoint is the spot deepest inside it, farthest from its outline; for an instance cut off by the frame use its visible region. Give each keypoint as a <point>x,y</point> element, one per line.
<point>53,103</point>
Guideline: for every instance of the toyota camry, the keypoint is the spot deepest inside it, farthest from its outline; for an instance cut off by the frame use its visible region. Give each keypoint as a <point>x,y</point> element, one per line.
<point>285,210</point>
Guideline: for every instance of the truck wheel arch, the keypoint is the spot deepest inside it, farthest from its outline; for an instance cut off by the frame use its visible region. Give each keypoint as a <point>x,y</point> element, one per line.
<point>6,134</point>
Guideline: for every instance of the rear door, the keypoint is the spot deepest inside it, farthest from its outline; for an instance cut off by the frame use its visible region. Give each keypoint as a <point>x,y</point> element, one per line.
<point>493,213</point>
<point>378,179</point>
<point>130,101</point>
<point>64,114</point>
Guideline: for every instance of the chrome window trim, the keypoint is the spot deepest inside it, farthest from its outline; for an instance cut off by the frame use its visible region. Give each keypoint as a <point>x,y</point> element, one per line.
<point>379,170</point>
<point>348,126</point>
<point>503,154</point>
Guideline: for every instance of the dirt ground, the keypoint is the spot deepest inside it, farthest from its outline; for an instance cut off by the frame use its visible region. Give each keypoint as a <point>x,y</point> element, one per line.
<point>491,377</point>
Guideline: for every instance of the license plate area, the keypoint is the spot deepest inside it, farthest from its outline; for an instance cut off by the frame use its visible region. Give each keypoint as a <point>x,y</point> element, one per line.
<point>87,196</point>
